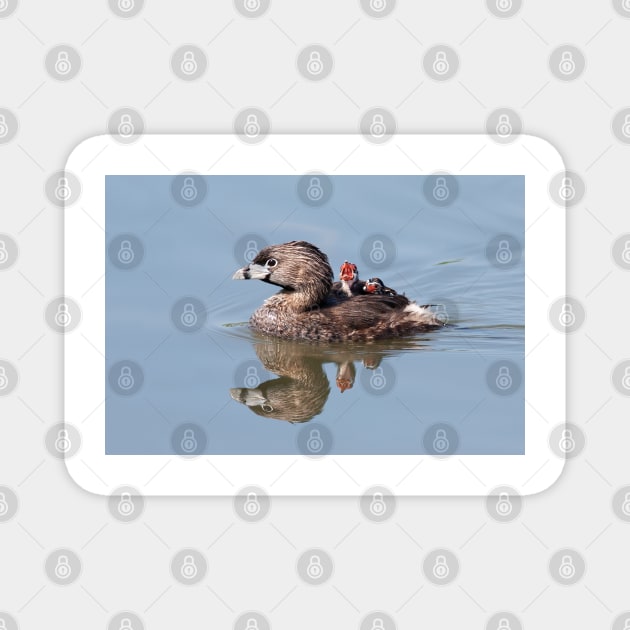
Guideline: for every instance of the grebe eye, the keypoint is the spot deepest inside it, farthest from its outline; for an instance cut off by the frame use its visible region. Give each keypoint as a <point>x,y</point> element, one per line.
<point>267,408</point>
<point>272,262</point>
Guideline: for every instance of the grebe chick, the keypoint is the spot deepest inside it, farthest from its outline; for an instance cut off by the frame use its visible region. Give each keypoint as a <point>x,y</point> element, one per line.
<point>348,283</point>
<point>375,286</point>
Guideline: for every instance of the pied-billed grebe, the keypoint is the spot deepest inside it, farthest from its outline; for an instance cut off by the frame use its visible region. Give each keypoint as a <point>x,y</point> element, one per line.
<point>305,308</point>
<point>348,283</point>
<point>375,286</point>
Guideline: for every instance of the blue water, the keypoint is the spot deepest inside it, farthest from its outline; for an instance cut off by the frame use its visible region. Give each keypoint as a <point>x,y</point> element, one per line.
<point>183,377</point>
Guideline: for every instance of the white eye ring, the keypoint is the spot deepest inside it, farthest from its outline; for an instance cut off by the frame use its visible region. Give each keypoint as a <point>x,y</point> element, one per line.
<point>272,262</point>
<point>266,407</point>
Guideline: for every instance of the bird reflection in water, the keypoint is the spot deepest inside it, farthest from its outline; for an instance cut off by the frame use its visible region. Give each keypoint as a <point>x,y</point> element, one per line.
<point>302,388</point>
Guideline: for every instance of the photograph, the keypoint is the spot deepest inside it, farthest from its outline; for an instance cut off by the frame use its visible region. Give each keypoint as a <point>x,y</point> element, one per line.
<point>388,316</point>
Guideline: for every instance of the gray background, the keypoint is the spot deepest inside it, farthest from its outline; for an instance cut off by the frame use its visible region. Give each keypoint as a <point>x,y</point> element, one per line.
<point>252,565</point>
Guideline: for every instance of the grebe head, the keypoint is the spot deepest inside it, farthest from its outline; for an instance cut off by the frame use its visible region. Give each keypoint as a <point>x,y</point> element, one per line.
<point>295,266</point>
<point>348,272</point>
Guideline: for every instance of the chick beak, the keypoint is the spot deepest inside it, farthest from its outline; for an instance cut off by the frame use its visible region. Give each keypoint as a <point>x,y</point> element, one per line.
<point>346,272</point>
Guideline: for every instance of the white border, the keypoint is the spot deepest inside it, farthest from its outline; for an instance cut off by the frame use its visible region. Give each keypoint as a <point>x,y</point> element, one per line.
<point>84,366</point>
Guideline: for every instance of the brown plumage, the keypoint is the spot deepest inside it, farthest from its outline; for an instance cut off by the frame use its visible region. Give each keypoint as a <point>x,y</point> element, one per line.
<point>306,308</point>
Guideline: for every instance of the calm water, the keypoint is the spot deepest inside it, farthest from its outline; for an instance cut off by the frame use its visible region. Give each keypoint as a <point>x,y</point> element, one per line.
<point>169,381</point>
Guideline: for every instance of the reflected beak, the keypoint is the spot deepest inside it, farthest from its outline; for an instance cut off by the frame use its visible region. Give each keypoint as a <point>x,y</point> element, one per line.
<point>251,272</point>
<point>249,397</point>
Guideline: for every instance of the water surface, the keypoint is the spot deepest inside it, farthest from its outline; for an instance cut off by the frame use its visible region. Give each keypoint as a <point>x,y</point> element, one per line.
<point>397,394</point>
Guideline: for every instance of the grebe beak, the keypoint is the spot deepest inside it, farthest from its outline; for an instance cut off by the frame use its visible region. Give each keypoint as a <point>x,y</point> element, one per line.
<point>346,272</point>
<point>251,272</point>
